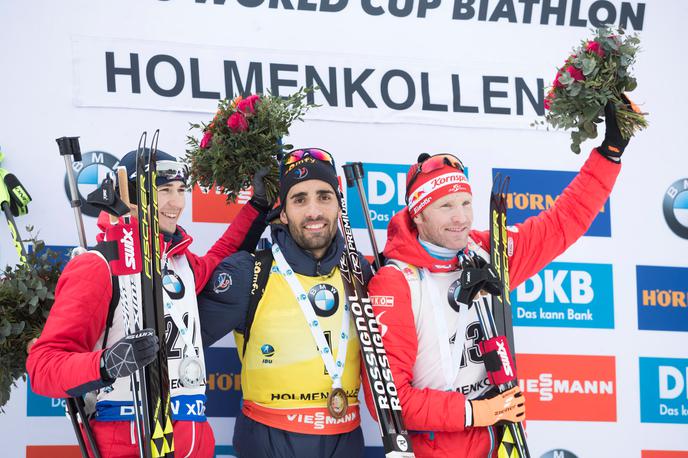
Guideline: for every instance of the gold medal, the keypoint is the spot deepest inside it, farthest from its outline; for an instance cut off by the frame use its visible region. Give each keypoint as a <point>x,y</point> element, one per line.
<point>337,403</point>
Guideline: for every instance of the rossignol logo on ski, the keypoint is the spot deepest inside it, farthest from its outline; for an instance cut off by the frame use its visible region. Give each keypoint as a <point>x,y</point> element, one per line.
<point>568,387</point>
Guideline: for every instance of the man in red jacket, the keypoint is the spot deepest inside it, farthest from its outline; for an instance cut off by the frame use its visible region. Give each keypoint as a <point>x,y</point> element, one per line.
<point>76,354</point>
<point>430,336</point>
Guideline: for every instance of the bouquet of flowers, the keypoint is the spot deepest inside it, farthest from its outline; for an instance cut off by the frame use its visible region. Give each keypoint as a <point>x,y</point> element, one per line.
<point>596,73</point>
<point>27,292</point>
<point>244,136</point>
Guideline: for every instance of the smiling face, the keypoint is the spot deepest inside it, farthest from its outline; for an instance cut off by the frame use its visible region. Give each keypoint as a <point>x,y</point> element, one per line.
<point>447,221</point>
<point>311,210</point>
<point>171,203</point>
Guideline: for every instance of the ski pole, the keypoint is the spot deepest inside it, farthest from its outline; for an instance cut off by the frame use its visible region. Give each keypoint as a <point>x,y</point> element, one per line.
<point>14,200</point>
<point>354,176</point>
<point>70,150</point>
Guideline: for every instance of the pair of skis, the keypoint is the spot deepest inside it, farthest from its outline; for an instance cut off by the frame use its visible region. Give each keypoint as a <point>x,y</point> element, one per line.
<point>156,412</point>
<point>497,323</point>
<point>395,437</point>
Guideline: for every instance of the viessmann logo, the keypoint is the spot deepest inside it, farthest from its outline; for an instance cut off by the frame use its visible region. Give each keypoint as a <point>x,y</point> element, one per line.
<point>568,387</point>
<point>662,298</point>
<point>566,294</point>
<point>532,191</point>
<point>210,205</point>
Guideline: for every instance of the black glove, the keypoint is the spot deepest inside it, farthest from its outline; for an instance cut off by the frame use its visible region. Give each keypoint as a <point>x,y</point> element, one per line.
<point>260,196</point>
<point>128,355</point>
<point>614,144</point>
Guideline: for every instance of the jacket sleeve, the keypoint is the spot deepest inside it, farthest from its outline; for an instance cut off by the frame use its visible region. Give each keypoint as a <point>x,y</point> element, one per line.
<point>543,237</point>
<point>223,303</point>
<point>420,407</point>
<point>62,362</point>
<point>243,234</point>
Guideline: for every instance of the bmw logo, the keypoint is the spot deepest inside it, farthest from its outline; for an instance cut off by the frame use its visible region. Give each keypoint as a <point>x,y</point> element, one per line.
<point>89,173</point>
<point>453,294</point>
<point>324,299</point>
<point>675,207</point>
<point>267,350</point>
<point>173,284</point>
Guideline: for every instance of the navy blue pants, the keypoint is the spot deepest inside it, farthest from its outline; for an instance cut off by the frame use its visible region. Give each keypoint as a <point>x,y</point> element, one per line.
<point>255,440</point>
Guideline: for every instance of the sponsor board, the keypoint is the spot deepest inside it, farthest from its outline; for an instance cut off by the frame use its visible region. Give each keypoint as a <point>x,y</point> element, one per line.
<point>211,206</point>
<point>566,294</point>
<point>384,186</point>
<point>532,191</point>
<point>663,454</point>
<point>53,451</point>
<point>568,387</point>
<point>223,382</point>
<point>663,390</point>
<point>662,294</point>
<point>42,406</point>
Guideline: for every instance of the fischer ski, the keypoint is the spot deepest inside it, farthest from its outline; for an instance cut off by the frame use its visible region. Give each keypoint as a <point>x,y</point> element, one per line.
<point>497,327</point>
<point>156,374</point>
<point>395,438</point>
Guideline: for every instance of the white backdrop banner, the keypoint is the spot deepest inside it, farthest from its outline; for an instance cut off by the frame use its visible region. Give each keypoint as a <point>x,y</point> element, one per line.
<point>600,332</point>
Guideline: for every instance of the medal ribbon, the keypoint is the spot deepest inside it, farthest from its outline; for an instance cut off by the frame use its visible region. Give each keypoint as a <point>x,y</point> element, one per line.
<point>450,358</point>
<point>334,369</point>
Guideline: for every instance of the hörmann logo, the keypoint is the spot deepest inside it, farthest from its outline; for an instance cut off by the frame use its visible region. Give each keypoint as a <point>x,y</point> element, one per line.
<point>223,381</point>
<point>532,191</point>
<point>662,298</point>
<point>566,294</point>
<point>663,390</point>
<point>568,387</point>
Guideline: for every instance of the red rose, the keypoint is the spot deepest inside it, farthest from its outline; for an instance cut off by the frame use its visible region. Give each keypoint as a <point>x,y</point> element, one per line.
<point>594,46</point>
<point>556,83</point>
<point>205,141</point>
<point>237,123</point>
<point>548,99</point>
<point>575,73</point>
<point>248,105</point>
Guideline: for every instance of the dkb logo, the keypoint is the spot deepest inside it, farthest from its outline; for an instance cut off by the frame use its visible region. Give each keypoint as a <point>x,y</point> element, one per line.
<point>566,294</point>
<point>385,188</point>
<point>663,390</point>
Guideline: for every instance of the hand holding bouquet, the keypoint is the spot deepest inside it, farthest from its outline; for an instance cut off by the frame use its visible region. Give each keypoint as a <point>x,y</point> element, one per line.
<point>244,137</point>
<point>596,73</point>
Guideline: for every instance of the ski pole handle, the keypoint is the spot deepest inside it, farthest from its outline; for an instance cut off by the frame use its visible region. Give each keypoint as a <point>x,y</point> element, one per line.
<point>354,176</point>
<point>70,150</point>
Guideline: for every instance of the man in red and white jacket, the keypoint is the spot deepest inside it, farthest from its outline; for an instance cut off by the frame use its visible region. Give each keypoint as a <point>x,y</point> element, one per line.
<point>71,358</point>
<point>430,337</point>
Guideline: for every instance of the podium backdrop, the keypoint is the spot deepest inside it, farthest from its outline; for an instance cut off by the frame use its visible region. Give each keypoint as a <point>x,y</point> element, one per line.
<point>600,333</point>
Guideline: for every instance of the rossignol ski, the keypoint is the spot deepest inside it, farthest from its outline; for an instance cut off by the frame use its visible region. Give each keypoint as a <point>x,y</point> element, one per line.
<point>497,324</point>
<point>395,437</point>
<point>156,374</point>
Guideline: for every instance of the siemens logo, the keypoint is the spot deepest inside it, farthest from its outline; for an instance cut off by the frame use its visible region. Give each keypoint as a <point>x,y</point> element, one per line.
<point>662,296</point>
<point>664,390</point>
<point>533,191</point>
<point>567,294</point>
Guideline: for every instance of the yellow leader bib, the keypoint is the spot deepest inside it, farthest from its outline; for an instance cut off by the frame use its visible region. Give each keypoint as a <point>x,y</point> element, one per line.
<point>282,368</point>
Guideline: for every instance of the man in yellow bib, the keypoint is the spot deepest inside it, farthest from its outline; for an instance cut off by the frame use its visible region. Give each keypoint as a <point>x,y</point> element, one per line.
<point>300,353</point>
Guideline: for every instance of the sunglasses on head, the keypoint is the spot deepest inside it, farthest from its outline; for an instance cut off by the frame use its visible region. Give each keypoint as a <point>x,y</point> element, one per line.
<point>171,170</point>
<point>431,164</point>
<point>295,156</point>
